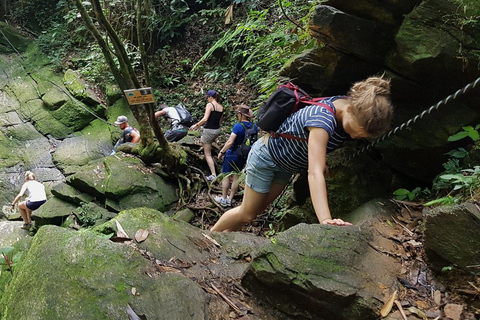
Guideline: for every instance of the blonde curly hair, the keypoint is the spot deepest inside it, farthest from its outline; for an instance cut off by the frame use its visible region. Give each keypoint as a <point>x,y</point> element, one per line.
<point>371,105</point>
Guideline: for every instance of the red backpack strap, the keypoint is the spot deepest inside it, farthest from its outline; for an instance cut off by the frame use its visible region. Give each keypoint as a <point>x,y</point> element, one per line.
<point>316,101</point>
<point>309,101</point>
<point>286,136</point>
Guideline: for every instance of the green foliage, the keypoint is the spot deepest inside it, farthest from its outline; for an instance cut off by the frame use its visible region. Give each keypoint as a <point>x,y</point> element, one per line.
<point>9,259</point>
<point>86,216</point>
<point>402,194</point>
<point>460,183</point>
<point>262,44</point>
<point>444,201</point>
<point>467,132</point>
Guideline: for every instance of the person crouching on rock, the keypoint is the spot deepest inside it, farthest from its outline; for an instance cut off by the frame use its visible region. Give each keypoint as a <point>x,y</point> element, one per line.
<point>35,198</point>
<point>129,134</point>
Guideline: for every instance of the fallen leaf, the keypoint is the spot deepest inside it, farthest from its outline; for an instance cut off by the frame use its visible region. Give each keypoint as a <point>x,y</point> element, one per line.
<point>437,297</point>
<point>388,306</point>
<point>453,311</point>
<point>134,291</point>
<point>120,239</point>
<point>120,232</point>
<point>229,14</point>
<point>141,235</point>
<point>418,312</point>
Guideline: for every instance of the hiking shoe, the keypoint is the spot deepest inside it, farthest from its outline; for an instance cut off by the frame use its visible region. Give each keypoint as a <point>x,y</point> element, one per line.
<point>26,226</point>
<point>211,178</point>
<point>221,201</point>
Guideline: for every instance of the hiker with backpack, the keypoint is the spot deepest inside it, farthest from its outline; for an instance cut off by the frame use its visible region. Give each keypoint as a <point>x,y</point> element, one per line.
<point>179,119</point>
<point>211,120</point>
<point>235,152</point>
<point>129,134</point>
<point>302,142</point>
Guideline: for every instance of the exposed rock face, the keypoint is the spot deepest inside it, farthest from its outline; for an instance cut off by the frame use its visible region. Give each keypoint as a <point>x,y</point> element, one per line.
<point>320,272</point>
<point>459,245</point>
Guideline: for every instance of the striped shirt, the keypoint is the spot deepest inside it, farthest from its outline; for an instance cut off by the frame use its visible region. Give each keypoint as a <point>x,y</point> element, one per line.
<point>292,155</point>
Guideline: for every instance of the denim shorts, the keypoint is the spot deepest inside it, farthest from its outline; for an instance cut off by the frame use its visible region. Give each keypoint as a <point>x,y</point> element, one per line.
<point>209,135</point>
<point>262,172</point>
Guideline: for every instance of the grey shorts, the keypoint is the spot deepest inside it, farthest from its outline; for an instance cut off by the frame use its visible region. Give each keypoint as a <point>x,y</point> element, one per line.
<point>209,135</point>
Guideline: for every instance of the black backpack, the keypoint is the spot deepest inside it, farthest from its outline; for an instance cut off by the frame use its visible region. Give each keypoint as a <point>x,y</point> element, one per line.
<point>284,101</point>
<point>249,139</point>
<point>185,116</point>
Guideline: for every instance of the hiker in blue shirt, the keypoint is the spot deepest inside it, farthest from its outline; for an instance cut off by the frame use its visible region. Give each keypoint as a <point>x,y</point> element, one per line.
<point>129,134</point>
<point>234,161</point>
<point>365,112</point>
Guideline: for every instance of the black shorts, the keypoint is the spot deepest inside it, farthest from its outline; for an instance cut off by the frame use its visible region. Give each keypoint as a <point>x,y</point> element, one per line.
<point>34,205</point>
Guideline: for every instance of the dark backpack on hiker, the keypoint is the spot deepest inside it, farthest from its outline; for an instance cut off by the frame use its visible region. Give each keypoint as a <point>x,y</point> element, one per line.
<point>185,116</point>
<point>249,139</point>
<point>284,101</point>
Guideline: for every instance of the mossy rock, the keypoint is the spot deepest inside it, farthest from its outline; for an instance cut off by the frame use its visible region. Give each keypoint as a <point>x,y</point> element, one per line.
<point>92,143</point>
<point>54,99</point>
<point>124,180</point>
<point>54,211</point>
<point>12,37</point>
<point>320,272</point>
<point>78,88</point>
<point>83,275</point>
<point>68,193</point>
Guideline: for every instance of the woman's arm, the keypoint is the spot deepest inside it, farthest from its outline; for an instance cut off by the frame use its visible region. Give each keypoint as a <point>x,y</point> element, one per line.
<point>20,194</point>
<point>227,145</point>
<point>208,110</point>
<point>317,155</point>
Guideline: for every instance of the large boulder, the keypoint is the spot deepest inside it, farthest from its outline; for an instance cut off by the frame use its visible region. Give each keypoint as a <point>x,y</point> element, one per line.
<point>174,272</point>
<point>322,272</point>
<point>11,232</point>
<point>459,245</point>
<point>125,181</point>
<point>92,143</point>
<point>71,275</point>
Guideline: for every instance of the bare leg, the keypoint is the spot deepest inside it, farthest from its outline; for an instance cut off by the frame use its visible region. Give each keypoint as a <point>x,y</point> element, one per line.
<point>234,187</point>
<point>207,149</point>
<point>225,186</point>
<point>253,204</point>
<point>25,212</point>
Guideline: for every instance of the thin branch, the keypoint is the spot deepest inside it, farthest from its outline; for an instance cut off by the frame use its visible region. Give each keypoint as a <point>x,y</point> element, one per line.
<point>288,18</point>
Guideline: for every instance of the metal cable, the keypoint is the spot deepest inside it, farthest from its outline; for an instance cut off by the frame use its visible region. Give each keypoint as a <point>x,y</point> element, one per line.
<point>417,117</point>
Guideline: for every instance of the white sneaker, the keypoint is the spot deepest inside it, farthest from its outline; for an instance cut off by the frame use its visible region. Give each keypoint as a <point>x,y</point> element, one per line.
<point>228,202</point>
<point>221,201</point>
<point>211,178</point>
